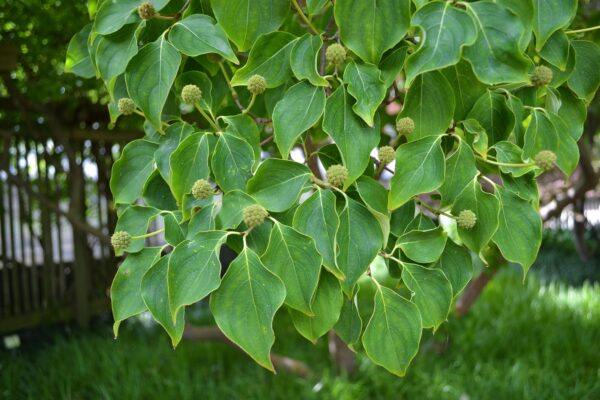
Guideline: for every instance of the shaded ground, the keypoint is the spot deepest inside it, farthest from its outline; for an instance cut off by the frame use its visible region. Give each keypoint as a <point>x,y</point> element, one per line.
<point>537,341</point>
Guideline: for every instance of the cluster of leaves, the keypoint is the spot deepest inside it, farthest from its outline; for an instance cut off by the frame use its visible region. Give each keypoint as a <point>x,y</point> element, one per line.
<point>240,98</point>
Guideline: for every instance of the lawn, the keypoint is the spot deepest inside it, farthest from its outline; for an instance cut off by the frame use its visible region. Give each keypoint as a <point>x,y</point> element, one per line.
<point>531,341</point>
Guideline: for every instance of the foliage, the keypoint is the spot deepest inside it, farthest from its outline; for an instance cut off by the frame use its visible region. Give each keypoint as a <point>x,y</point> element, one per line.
<point>508,341</point>
<point>484,111</point>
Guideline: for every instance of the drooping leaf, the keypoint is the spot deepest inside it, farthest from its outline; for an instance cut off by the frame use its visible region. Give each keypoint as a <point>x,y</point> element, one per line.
<point>125,291</point>
<point>298,110</point>
<point>392,64</point>
<point>167,143</point>
<point>457,266</point>
<point>270,58</point>
<point>486,208</point>
<point>365,85</point>
<point>135,221</point>
<point>393,333</point>
<point>245,20</point>
<point>556,50</point>
<point>304,58</point>
<point>422,104</point>
<point>245,128</point>
<point>245,304</point>
<point>188,163</point>
<point>446,30</point>
<point>585,79</point>
<point>293,257</point>
<point>432,293</point>
<point>155,295</point>
<point>327,306</point>
<point>465,86</point>
<point>78,60</point>
<point>352,136</point>
<point>567,155</point>
<point>540,135</point>
<point>496,55</point>
<point>150,75</point>
<point>194,269</point>
<point>114,51</point>
<point>198,34</point>
<point>494,115</point>
<point>316,217</point>
<point>232,162</point>
<point>354,253</point>
<point>131,170</point>
<point>349,325</point>
<point>519,233</point>
<point>374,196</point>
<point>420,168</point>
<point>460,171</point>
<point>157,193</point>
<point>383,23</point>
<point>277,184</point>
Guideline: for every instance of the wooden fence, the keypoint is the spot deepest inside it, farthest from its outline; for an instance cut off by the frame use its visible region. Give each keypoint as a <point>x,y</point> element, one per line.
<point>55,220</point>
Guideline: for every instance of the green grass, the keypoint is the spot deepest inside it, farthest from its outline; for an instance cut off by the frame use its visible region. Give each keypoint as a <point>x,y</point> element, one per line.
<point>529,341</point>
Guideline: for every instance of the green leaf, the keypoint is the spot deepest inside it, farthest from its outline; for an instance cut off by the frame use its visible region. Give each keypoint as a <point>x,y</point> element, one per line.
<point>150,75</point>
<point>460,171</point>
<point>245,20</point>
<point>157,193</point>
<point>131,170</point>
<point>245,304</point>
<point>125,291</point>
<point>551,16</point>
<point>496,55</point>
<point>476,136</point>
<point>114,51</point>
<point>189,162</point>
<point>349,325</point>
<point>232,209</point>
<point>432,293</point>
<point>494,115</point>
<point>392,336</point>
<point>175,233</point>
<point>245,128</point>
<point>420,168</point>
<point>466,88</point>
<point>352,136</point>
<point>525,187</point>
<point>327,306</point>
<point>304,58</point>
<point>423,246</point>
<point>198,34</point>
<point>540,135</point>
<point>374,196</point>
<point>293,257</point>
<point>392,64</point>
<point>202,221</point>
<point>203,82</point>
<point>401,218</point>
<point>519,235</point>
<point>78,60</point>
<point>486,208</point>
<point>277,184</point>
<point>524,10</point>
<point>232,162</point>
<point>113,14</point>
<point>423,105</point>
<point>573,110</point>
<point>316,217</point>
<point>457,266</point>
<point>446,30</point>
<point>314,6</point>
<point>290,120</point>
<point>365,85</point>
<point>155,294</point>
<point>167,144</point>
<point>194,269</point>
<point>270,58</point>
<point>556,50</point>
<point>585,79</point>
<point>567,154</point>
<point>507,152</point>
<point>370,27</point>
<point>135,221</point>
<point>354,252</point>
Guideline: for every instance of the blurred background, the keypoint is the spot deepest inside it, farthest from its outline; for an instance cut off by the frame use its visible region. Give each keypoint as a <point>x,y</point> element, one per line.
<point>534,340</point>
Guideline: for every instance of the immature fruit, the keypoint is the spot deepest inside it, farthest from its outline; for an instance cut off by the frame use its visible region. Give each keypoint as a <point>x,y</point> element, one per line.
<point>405,126</point>
<point>146,11</point>
<point>336,175</point>
<point>254,215</point>
<point>387,154</point>
<point>466,219</point>
<point>202,189</point>
<point>120,240</point>
<point>191,94</point>
<point>335,54</point>
<point>545,160</point>
<point>541,76</point>
<point>126,106</point>
<point>257,84</point>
